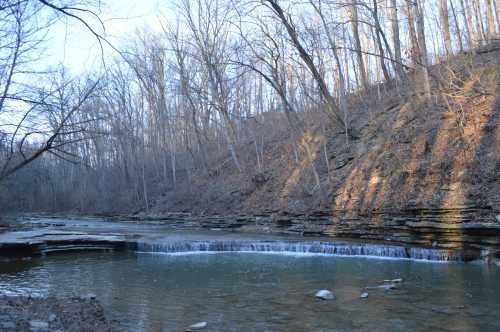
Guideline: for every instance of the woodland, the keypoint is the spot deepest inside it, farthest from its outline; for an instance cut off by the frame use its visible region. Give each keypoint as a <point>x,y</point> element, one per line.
<point>254,105</point>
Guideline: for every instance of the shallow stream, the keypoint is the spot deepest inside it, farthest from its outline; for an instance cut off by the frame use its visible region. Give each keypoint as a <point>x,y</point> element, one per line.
<point>267,291</point>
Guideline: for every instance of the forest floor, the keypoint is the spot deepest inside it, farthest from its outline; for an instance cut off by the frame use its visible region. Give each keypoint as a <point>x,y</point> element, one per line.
<point>409,152</point>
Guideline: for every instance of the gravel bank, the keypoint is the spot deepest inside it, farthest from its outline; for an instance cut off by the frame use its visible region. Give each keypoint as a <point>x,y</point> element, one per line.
<point>52,314</point>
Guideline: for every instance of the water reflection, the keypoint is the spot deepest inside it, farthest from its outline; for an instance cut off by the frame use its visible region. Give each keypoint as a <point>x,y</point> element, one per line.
<point>253,292</point>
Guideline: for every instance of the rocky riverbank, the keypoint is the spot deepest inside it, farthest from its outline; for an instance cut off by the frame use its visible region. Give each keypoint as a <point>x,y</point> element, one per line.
<point>463,235</point>
<point>52,314</point>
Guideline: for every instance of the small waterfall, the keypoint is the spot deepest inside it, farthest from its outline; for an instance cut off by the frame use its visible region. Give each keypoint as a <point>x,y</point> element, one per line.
<point>302,247</point>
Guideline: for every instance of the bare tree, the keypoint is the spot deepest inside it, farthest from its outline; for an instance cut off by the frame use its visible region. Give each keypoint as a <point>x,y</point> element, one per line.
<point>62,132</point>
<point>24,100</point>
<point>210,35</point>
<point>304,55</point>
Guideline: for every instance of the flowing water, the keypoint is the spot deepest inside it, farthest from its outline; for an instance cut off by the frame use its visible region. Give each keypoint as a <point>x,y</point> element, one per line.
<point>266,292</point>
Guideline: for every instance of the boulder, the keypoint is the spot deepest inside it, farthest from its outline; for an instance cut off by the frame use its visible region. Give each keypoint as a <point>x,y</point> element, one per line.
<point>325,294</point>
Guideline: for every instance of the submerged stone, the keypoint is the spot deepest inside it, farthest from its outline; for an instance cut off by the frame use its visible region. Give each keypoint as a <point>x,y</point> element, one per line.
<point>325,294</point>
<point>7,325</point>
<point>384,287</point>
<point>39,325</point>
<point>198,326</point>
<point>89,296</point>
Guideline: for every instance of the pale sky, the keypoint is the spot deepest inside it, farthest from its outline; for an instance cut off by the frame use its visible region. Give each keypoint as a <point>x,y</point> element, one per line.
<point>74,46</point>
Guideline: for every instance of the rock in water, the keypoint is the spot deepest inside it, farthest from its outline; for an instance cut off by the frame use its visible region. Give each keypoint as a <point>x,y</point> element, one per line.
<point>364,295</point>
<point>39,325</point>
<point>89,296</point>
<point>384,287</point>
<point>325,294</point>
<point>198,326</point>
<point>7,325</point>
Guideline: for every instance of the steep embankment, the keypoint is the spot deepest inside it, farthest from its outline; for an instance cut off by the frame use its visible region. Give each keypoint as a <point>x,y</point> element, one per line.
<point>419,171</point>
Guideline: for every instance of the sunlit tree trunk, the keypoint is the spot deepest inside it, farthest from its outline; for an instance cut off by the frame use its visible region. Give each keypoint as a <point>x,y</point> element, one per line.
<point>414,49</point>
<point>480,32</point>
<point>393,12</point>
<point>422,46</point>
<point>490,22</point>
<point>352,11</point>
<point>469,27</point>
<point>457,27</point>
<point>378,31</point>
<point>496,3</point>
<point>445,26</point>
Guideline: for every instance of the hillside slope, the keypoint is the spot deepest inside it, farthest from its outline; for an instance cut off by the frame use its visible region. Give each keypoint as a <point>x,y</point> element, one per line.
<point>410,153</point>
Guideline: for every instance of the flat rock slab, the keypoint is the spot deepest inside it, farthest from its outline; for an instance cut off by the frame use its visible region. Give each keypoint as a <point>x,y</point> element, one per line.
<point>44,241</point>
<point>44,235</point>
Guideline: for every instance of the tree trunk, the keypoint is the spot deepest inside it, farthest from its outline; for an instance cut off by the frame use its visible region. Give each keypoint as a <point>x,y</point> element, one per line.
<point>414,49</point>
<point>467,17</point>
<point>419,16</point>
<point>457,27</point>
<point>393,12</point>
<point>352,11</point>
<point>378,28</point>
<point>490,22</point>
<point>497,9</point>
<point>480,33</point>
<point>445,26</point>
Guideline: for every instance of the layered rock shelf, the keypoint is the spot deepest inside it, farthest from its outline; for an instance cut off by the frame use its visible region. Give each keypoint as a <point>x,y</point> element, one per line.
<point>42,242</point>
<point>455,229</point>
<point>461,234</point>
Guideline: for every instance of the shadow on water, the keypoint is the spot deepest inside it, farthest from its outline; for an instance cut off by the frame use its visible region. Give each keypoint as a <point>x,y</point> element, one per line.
<point>18,265</point>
